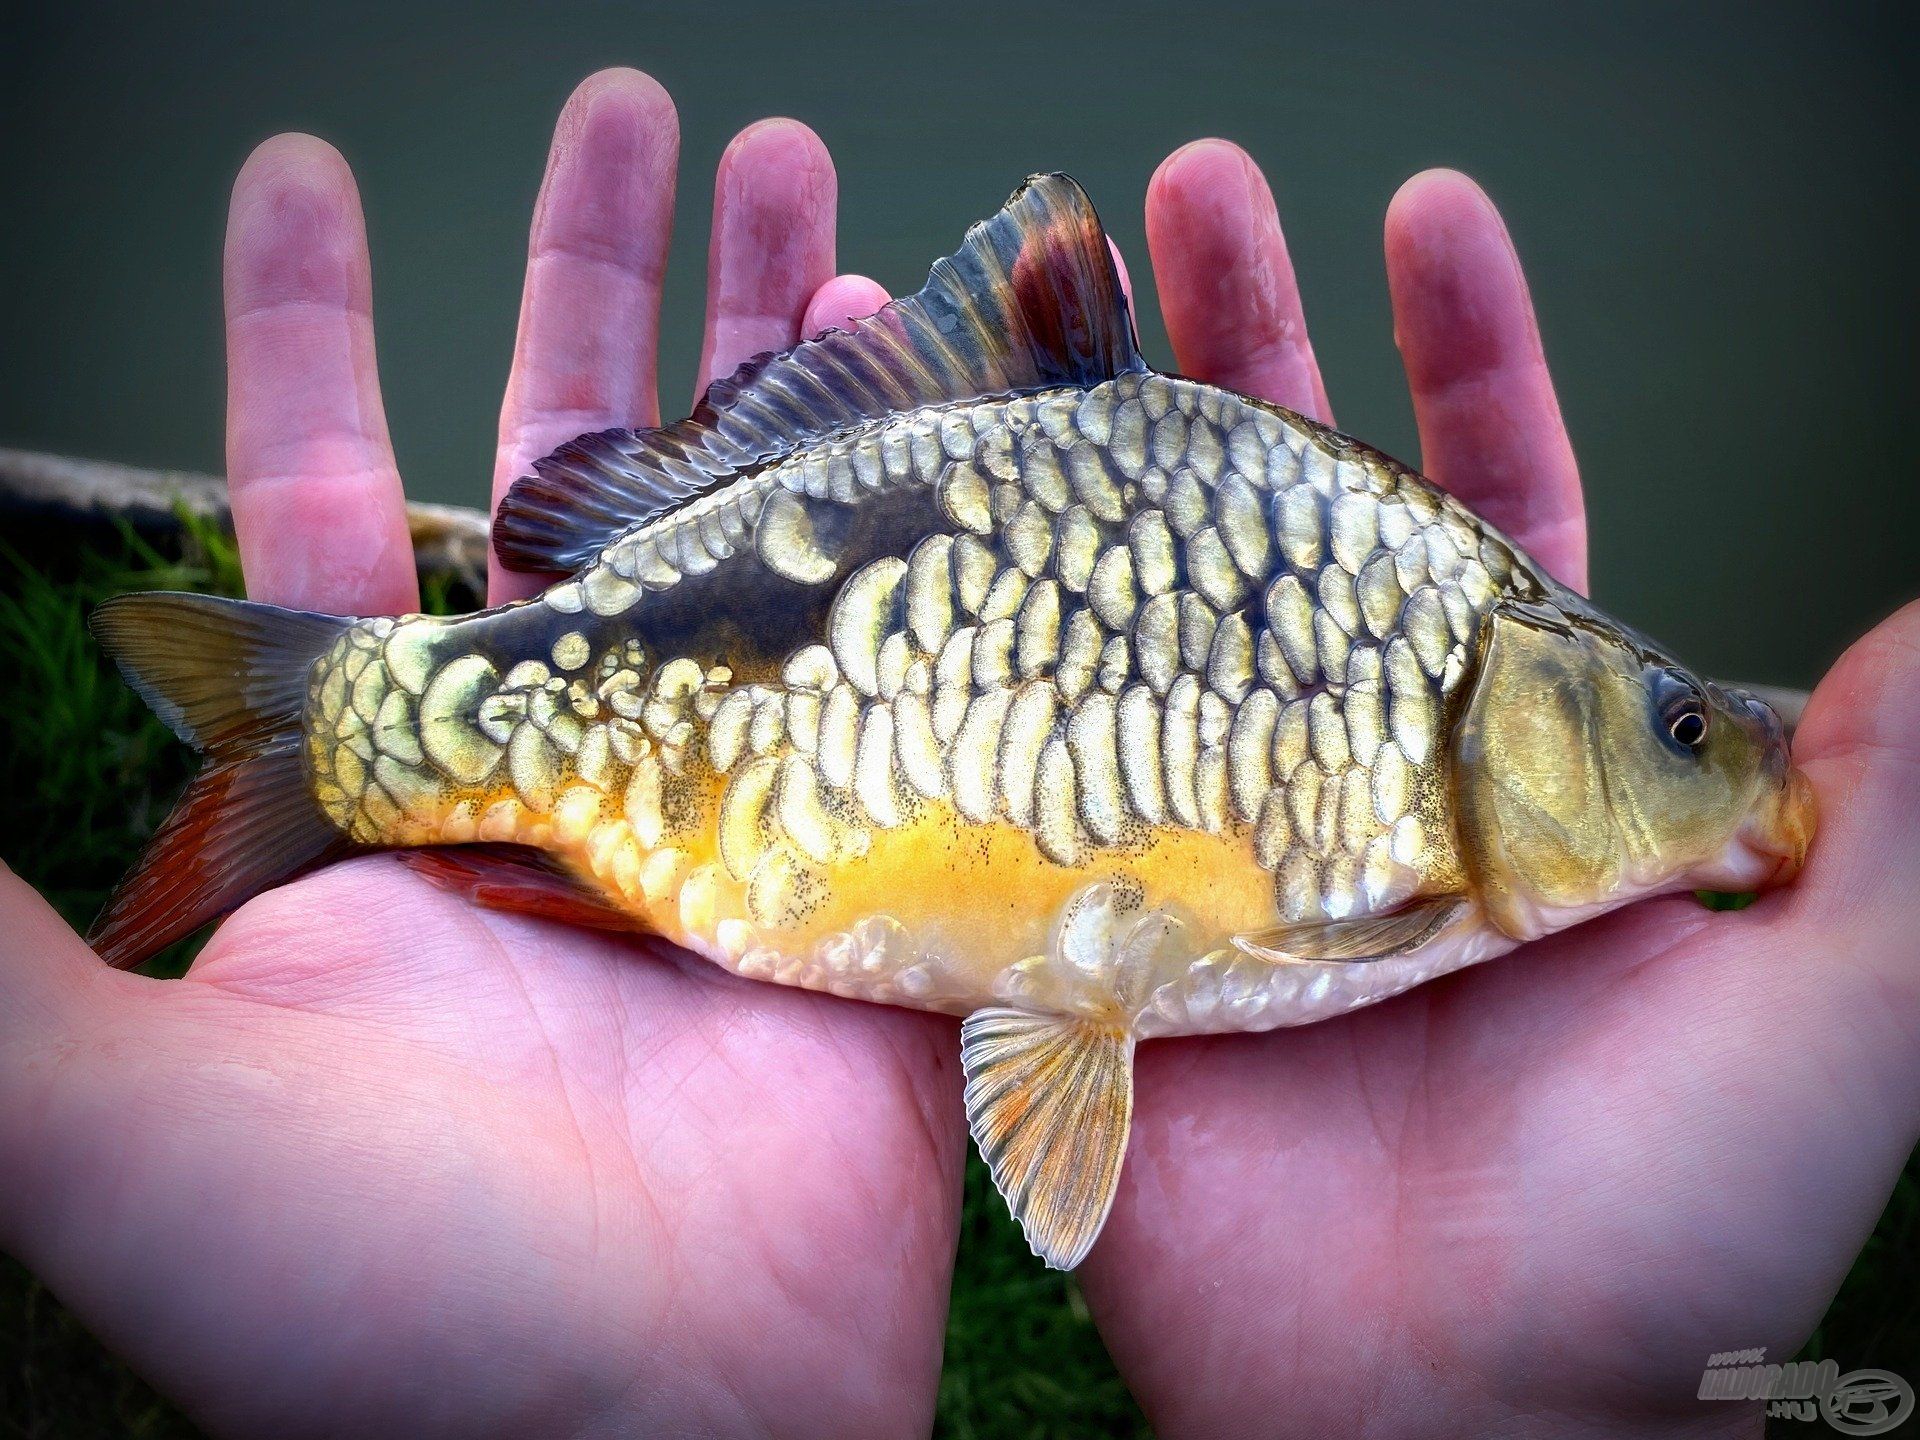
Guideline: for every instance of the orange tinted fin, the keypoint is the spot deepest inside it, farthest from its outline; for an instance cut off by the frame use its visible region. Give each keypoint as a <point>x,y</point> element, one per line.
<point>1030,301</point>
<point>1050,1101</point>
<point>519,880</point>
<point>230,678</point>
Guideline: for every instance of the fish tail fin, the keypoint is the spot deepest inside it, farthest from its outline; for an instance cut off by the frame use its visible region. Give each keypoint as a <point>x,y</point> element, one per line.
<point>230,678</point>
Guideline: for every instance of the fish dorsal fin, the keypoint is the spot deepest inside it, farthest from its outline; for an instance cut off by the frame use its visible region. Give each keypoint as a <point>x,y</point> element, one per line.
<point>1355,940</point>
<point>1031,300</point>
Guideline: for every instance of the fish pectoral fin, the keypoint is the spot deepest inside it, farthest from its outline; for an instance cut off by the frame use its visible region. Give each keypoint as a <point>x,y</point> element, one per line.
<point>519,880</point>
<point>1356,940</point>
<point>1050,1102</point>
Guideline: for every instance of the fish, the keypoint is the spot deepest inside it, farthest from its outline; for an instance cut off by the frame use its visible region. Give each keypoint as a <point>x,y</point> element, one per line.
<point>960,660</point>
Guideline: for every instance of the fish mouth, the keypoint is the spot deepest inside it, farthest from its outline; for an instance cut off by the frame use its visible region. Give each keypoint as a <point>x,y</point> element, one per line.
<point>1783,824</point>
<point>1770,847</point>
<point>1787,832</point>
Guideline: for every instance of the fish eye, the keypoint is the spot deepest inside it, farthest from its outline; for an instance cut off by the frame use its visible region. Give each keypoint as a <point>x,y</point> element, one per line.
<point>1681,710</point>
<point>1688,727</point>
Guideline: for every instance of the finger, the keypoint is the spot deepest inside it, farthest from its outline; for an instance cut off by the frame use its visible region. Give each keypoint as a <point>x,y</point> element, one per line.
<point>57,1002</point>
<point>317,507</point>
<point>1227,288</point>
<point>1490,427</point>
<point>841,301</point>
<point>775,198</point>
<point>1859,745</point>
<point>590,314</point>
<point>43,965</point>
<point>1848,963</point>
<point>1120,270</point>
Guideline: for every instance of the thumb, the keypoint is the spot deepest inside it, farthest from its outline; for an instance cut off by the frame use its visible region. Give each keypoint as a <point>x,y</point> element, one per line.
<point>1857,905</point>
<point>50,983</point>
<point>45,969</point>
<point>1859,743</point>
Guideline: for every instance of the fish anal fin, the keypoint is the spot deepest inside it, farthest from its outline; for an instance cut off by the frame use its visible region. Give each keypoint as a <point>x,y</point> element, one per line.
<point>1356,940</point>
<point>1050,1101</point>
<point>520,881</point>
<point>1031,300</point>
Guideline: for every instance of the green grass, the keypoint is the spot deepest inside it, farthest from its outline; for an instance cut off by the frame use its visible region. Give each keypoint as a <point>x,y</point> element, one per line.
<point>86,772</point>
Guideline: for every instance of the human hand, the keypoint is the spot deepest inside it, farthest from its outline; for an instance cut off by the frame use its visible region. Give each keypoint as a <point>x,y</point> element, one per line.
<point>1530,1197</point>
<point>384,1163</point>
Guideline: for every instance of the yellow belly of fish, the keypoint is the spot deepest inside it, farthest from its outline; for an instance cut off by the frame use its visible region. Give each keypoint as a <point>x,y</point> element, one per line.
<point>934,915</point>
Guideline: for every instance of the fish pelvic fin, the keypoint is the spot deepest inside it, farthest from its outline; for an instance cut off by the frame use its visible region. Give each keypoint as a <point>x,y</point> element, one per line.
<point>1356,940</point>
<point>1030,301</point>
<point>1050,1103</point>
<point>230,678</point>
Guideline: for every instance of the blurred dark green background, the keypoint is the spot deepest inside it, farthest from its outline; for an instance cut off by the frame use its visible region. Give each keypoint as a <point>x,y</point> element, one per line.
<point>1715,205</point>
